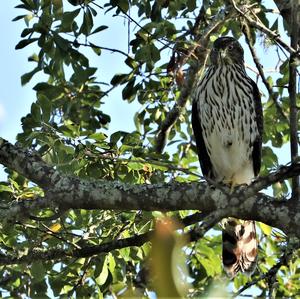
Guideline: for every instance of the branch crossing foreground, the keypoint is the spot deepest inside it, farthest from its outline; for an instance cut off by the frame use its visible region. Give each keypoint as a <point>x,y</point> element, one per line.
<point>63,192</point>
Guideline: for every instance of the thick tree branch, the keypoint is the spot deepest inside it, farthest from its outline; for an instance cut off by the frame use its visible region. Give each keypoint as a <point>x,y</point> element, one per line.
<point>28,164</point>
<point>65,192</point>
<point>293,94</point>
<point>72,193</point>
<point>287,10</point>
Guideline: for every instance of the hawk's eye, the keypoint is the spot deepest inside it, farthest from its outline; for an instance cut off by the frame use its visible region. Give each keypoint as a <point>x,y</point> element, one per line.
<point>230,47</point>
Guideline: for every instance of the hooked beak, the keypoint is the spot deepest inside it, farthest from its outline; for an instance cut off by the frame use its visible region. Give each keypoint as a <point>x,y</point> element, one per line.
<point>222,53</point>
<point>223,57</point>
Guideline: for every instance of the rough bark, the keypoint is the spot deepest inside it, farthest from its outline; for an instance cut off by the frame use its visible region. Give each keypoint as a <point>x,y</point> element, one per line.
<point>66,192</point>
<point>286,10</point>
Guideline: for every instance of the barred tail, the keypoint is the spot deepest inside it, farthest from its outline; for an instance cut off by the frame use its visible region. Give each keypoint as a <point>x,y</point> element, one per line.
<point>239,246</point>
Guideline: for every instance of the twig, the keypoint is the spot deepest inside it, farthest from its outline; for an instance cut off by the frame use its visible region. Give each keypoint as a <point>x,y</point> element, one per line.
<point>261,72</point>
<point>49,218</point>
<point>263,182</point>
<point>208,222</point>
<point>48,233</point>
<point>258,25</point>
<point>191,219</point>
<point>160,40</point>
<point>91,45</point>
<point>80,282</point>
<point>169,166</point>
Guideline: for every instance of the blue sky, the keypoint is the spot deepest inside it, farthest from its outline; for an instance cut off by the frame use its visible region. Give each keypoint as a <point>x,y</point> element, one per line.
<point>15,101</point>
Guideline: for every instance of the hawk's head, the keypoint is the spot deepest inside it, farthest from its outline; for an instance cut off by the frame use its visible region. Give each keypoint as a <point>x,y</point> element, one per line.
<point>227,50</point>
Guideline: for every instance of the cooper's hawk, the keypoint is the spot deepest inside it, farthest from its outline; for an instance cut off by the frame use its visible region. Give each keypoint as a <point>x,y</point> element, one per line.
<point>228,124</point>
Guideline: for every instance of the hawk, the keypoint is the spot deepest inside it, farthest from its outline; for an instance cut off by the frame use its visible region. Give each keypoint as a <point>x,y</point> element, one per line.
<point>227,122</point>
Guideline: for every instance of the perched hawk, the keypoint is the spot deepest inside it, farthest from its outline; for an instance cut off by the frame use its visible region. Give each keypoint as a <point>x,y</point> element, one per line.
<point>228,123</point>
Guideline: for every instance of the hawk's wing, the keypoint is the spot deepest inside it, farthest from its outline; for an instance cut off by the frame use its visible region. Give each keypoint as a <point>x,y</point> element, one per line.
<point>204,159</point>
<point>257,144</point>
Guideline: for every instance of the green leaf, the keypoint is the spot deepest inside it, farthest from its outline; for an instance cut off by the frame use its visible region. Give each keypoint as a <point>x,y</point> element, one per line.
<point>61,42</point>
<point>36,112</point>
<point>68,19</point>
<point>135,165</point>
<point>46,107</point>
<point>101,279</point>
<point>25,42</point>
<point>119,79</point>
<point>81,75</point>
<point>52,92</point>
<point>33,58</point>
<point>42,86</point>
<point>266,229</point>
<point>98,136</point>
<point>27,31</point>
<point>57,8</point>
<point>27,77</point>
<point>98,29</point>
<point>4,188</point>
<point>123,5</point>
<point>38,271</point>
<point>137,121</point>
<point>129,92</point>
<point>111,263</point>
<point>18,18</point>
<point>76,2</point>
<point>115,137</point>
<point>131,63</point>
<point>87,23</point>
<point>191,5</point>
<point>149,54</point>
<point>96,49</point>
<point>239,281</point>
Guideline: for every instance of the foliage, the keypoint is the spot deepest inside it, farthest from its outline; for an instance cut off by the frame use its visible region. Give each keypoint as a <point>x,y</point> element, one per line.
<point>70,129</point>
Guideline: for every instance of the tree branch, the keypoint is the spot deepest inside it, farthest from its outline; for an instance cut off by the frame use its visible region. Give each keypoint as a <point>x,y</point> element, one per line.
<point>244,13</point>
<point>286,10</point>
<point>262,75</point>
<point>28,164</point>
<point>66,192</point>
<point>88,44</point>
<point>88,250</point>
<point>293,95</point>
